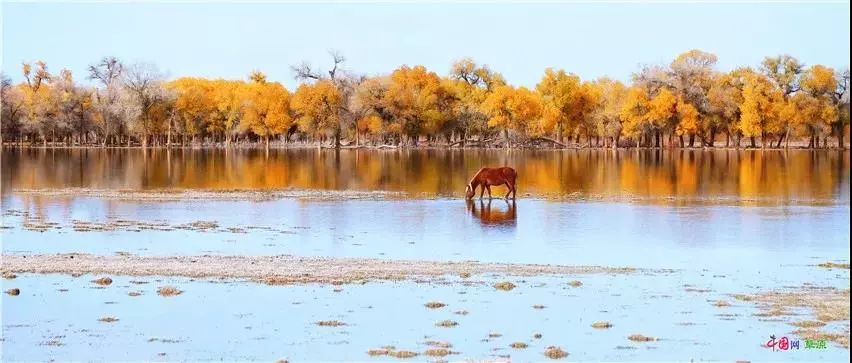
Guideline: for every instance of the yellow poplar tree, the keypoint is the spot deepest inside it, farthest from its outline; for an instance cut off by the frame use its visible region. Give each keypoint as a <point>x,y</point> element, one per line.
<point>634,112</point>
<point>267,108</point>
<point>512,109</point>
<point>560,93</point>
<point>759,112</point>
<point>316,107</point>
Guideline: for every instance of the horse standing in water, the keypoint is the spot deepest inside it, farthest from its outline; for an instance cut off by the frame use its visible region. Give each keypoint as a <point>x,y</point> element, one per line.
<point>486,177</point>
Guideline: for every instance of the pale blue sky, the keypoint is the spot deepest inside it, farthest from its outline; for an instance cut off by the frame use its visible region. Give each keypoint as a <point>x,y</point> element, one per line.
<point>519,40</point>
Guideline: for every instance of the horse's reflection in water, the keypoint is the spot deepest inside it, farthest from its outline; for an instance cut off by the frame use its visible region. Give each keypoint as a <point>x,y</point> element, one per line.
<point>503,212</point>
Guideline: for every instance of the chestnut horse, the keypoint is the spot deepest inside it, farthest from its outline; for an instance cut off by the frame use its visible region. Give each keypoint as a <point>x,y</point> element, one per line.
<point>486,177</point>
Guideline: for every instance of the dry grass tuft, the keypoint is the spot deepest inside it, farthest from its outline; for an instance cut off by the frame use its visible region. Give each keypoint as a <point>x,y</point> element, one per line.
<point>103,281</point>
<point>108,319</point>
<point>330,323</point>
<point>402,354</point>
<point>539,306</point>
<point>446,323</point>
<point>494,334</point>
<point>378,351</point>
<point>519,345</point>
<point>435,305</point>
<point>553,352</point>
<point>825,304</point>
<point>461,312</point>
<point>9,275</point>
<point>841,339</point>
<point>808,324</point>
<point>844,266</point>
<point>575,283</point>
<point>14,291</point>
<point>438,344</point>
<point>437,352</point>
<point>641,338</point>
<point>537,335</point>
<point>601,325</point>
<point>168,291</point>
<point>505,286</point>
<point>721,303</point>
<point>464,274</point>
<point>134,293</point>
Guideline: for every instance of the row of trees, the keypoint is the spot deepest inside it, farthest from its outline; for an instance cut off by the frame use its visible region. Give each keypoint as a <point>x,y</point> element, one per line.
<point>687,103</point>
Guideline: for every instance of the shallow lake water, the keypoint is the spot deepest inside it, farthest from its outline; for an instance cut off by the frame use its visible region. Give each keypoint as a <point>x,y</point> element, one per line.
<point>726,222</point>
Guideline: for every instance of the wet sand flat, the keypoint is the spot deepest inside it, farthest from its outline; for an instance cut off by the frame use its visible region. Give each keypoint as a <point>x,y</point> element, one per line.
<point>284,269</point>
<point>173,195</point>
<point>190,195</point>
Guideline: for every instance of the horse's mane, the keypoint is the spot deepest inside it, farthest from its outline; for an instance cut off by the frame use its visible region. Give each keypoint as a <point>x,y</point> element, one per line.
<point>470,182</point>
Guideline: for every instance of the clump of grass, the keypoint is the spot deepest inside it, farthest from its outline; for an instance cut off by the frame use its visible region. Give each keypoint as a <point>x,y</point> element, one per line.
<point>743,297</point>
<point>538,306</point>
<point>575,283</point>
<point>9,275</point>
<point>330,323</point>
<point>464,274</point>
<point>134,293</point>
<point>537,335</point>
<point>808,324</point>
<point>772,313</point>
<point>834,265</point>
<point>446,323</point>
<point>505,286</point>
<point>554,352</point>
<point>108,319</point>
<point>402,354</point>
<point>721,303</point>
<point>14,291</point>
<point>494,334</point>
<point>435,305</point>
<point>519,345</point>
<point>438,344</point>
<point>641,338</point>
<point>437,352</point>
<point>168,291</point>
<point>841,339</point>
<point>378,351</point>
<point>601,325</point>
<point>103,281</point>
<point>461,312</point>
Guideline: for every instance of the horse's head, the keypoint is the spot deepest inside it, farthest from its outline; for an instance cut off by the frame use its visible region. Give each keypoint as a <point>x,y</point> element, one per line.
<point>469,192</point>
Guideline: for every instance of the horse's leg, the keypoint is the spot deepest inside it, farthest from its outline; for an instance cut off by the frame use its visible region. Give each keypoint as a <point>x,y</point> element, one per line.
<point>481,191</point>
<point>489,191</point>
<point>508,190</point>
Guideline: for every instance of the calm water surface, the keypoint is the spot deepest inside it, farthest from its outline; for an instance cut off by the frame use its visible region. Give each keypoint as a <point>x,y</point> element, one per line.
<point>773,175</point>
<point>770,218</point>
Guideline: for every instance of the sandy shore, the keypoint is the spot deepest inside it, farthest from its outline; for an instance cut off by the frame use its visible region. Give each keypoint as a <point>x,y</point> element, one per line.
<point>285,269</point>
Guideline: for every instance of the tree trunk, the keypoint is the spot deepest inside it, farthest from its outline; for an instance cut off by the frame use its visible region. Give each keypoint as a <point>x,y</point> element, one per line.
<point>691,140</point>
<point>753,142</point>
<point>506,136</point>
<point>559,133</point>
